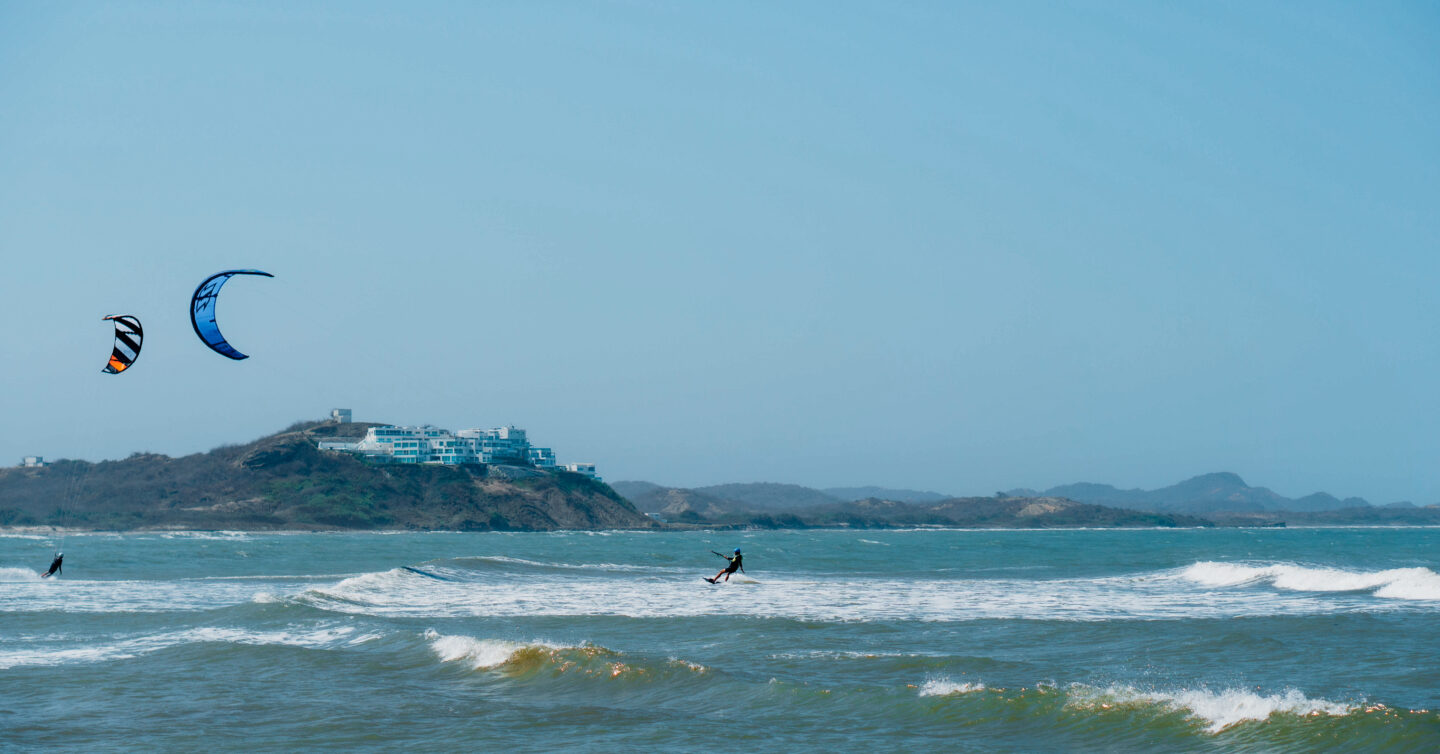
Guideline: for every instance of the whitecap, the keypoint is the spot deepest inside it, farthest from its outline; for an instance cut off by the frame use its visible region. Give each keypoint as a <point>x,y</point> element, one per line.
<point>1393,583</point>
<point>1218,709</point>
<point>311,637</point>
<point>947,687</point>
<point>18,574</point>
<point>482,654</point>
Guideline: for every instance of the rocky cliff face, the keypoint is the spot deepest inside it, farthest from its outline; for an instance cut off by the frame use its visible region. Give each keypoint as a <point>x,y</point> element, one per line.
<point>284,482</point>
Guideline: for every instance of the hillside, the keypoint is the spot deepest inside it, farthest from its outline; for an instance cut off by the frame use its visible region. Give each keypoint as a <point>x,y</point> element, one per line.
<point>1410,515</point>
<point>1203,495</point>
<point>721,501</point>
<point>884,493</point>
<point>685,506</point>
<point>986,512</point>
<point>699,507</point>
<point>284,482</point>
<point>768,496</point>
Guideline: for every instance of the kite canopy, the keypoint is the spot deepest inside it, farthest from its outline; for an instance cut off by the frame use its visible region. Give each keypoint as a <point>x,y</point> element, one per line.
<point>127,343</point>
<point>202,312</point>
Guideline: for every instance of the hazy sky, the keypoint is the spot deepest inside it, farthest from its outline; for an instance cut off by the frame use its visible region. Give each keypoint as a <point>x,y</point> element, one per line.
<point>952,246</point>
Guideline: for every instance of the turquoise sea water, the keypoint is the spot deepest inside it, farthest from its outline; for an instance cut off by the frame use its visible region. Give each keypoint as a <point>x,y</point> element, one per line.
<point>1062,640</point>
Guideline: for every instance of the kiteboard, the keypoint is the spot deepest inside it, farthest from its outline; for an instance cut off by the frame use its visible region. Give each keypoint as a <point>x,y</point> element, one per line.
<point>707,578</point>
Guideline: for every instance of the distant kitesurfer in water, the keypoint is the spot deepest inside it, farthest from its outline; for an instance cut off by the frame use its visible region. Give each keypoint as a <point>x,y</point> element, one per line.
<point>727,570</point>
<point>54,565</point>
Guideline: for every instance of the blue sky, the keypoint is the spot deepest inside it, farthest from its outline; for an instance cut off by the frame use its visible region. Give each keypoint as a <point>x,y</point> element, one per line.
<point>953,246</point>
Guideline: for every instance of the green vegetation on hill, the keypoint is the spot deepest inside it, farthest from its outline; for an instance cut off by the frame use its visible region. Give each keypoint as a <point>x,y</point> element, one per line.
<point>768,496</point>
<point>975,512</point>
<point>285,482</point>
<point>790,506</point>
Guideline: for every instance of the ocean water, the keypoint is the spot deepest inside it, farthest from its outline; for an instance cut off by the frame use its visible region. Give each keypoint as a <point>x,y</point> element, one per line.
<point>1061,640</point>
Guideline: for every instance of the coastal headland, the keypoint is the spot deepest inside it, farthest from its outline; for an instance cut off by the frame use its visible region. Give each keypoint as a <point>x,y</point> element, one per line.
<point>284,481</point>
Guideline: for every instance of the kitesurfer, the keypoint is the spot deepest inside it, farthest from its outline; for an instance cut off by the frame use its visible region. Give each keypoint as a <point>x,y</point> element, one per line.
<point>54,565</point>
<point>727,570</point>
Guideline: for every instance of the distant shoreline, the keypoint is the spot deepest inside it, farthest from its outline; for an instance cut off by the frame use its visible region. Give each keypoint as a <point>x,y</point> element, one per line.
<point>66,531</point>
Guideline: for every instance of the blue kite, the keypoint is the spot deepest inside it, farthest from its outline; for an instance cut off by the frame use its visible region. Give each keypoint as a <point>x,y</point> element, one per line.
<point>202,312</point>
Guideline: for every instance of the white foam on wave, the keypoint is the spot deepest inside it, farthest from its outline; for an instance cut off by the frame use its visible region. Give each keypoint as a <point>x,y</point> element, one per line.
<point>228,536</point>
<point>482,654</point>
<point>1218,709</point>
<point>370,587</point>
<point>310,637</point>
<point>693,667</point>
<point>847,654</point>
<point>1393,583</point>
<point>73,595</point>
<point>618,567</point>
<point>18,574</point>
<point>1151,596</point>
<point>947,687</point>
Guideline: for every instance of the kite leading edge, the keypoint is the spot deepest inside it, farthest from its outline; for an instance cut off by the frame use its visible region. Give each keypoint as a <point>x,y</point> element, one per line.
<point>202,312</point>
<point>128,336</point>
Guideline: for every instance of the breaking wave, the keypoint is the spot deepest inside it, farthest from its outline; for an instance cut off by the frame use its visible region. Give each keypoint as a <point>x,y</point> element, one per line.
<point>1394,583</point>
<point>1218,710</point>
<point>947,687</point>
<point>496,586</point>
<point>18,574</point>
<point>521,564</point>
<point>447,589</point>
<point>530,658</point>
<point>1212,711</point>
<point>314,637</point>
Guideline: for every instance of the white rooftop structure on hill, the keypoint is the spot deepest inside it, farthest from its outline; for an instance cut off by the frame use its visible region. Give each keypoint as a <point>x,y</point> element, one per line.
<point>430,444</point>
<point>588,469</point>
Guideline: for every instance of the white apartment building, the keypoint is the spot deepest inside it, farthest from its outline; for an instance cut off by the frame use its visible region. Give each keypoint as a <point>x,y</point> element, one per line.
<point>588,469</point>
<point>431,444</point>
<point>542,458</point>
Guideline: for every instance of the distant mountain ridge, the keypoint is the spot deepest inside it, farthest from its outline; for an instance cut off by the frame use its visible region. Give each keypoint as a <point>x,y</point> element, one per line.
<point>771,505</point>
<point>769,496</point>
<point>719,500</point>
<point>989,512</point>
<point>1204,494</point>
<point>885,493</point>
<point>1220,496</point>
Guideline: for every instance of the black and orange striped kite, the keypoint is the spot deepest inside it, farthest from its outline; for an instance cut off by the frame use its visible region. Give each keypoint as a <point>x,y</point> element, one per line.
<point>127,343</point>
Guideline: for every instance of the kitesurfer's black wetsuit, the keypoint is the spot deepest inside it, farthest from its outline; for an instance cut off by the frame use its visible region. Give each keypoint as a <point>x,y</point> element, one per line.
<point>726,571</point>
<point>54,567</point>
